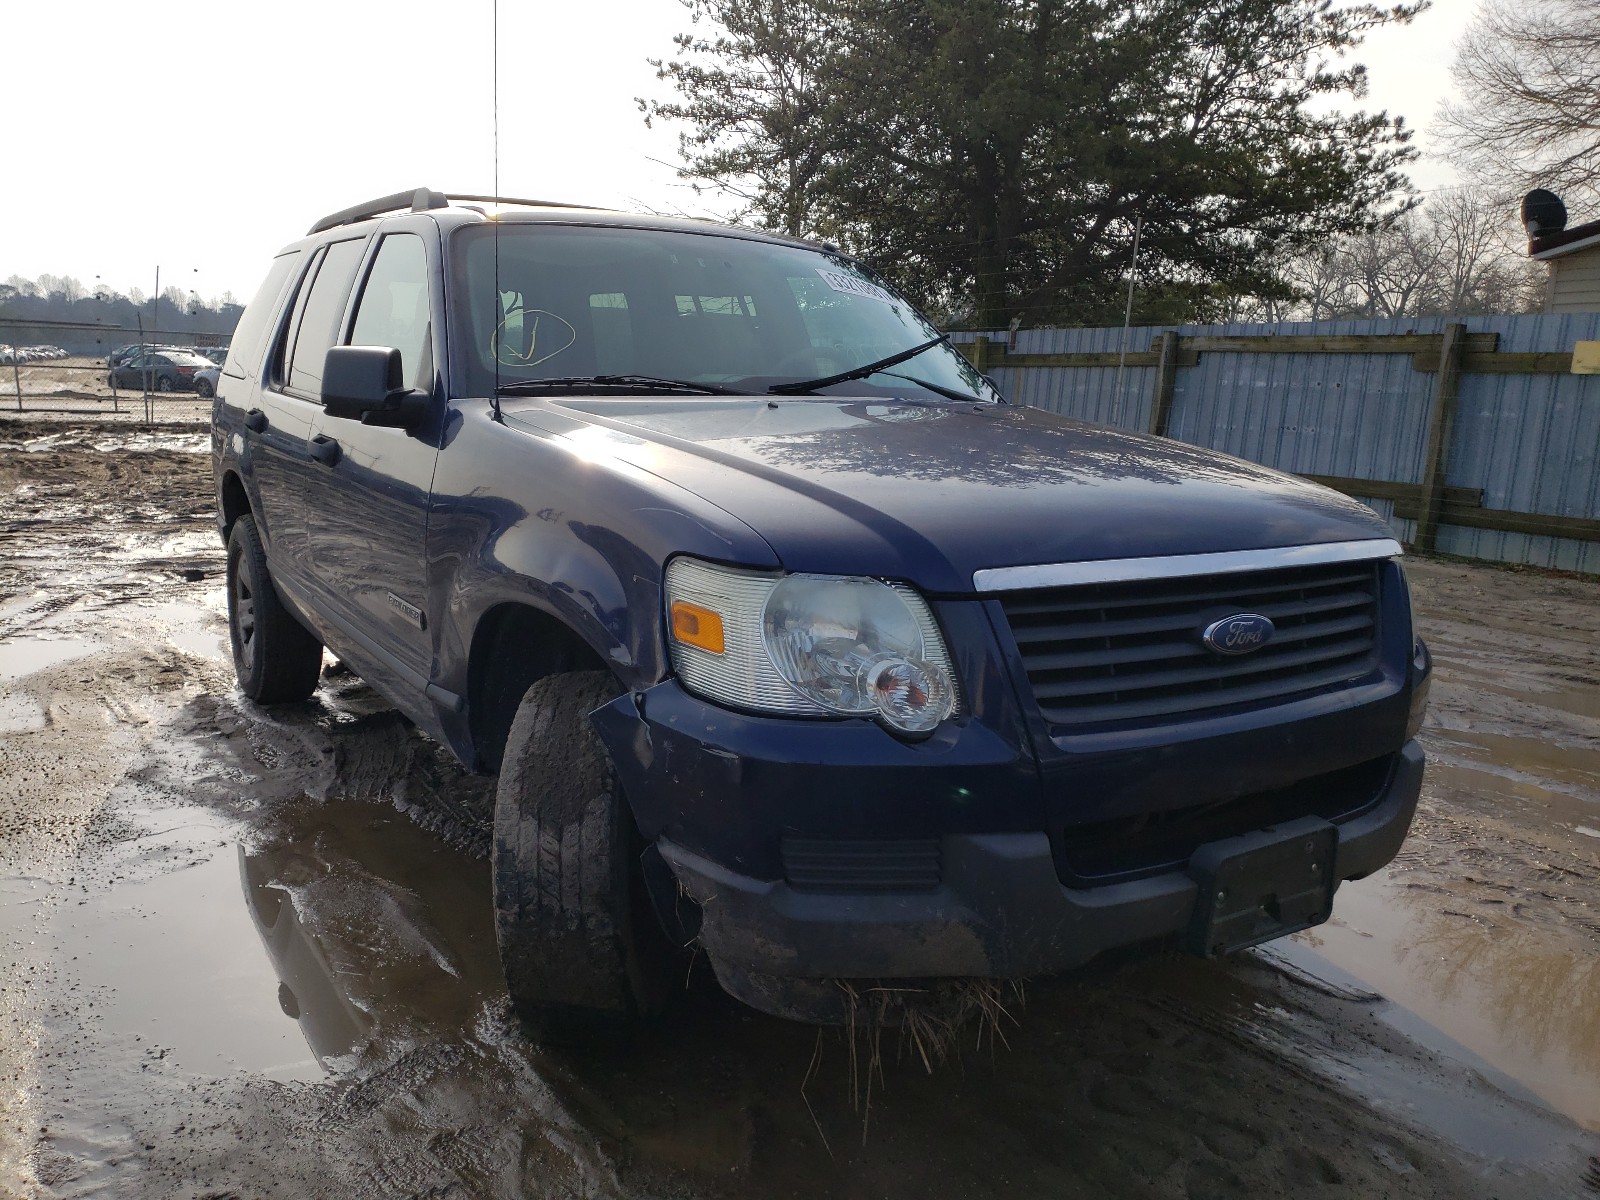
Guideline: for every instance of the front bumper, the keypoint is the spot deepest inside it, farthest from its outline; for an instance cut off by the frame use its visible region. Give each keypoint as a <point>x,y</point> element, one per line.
<point>1000,911</point>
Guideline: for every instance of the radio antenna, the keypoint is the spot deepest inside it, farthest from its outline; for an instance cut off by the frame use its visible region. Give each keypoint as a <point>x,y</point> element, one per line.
<point>498,311</point>
<point>1127,316</point>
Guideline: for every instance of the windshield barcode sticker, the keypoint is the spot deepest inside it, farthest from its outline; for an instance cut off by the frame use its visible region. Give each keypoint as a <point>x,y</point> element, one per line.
<point>852,286</point>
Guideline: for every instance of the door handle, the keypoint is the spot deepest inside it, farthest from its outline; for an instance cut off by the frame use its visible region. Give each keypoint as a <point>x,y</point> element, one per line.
<point>255,420</point>
<point>325,450</point>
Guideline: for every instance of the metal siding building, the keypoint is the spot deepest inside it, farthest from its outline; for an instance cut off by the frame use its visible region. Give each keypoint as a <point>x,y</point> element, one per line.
<point>1529,441</point>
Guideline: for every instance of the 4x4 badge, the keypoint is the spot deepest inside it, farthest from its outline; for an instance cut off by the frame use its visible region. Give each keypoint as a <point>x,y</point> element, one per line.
<point>1238,634</point>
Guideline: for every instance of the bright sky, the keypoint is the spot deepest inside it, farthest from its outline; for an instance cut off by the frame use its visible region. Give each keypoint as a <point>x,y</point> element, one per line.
<point>200,136</point>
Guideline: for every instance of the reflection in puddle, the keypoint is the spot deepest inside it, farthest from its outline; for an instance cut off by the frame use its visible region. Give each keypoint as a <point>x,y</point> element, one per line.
<point>174,962</point>
<point>363,914</point>
<point>1526,1006</point>
<point>309,991</point>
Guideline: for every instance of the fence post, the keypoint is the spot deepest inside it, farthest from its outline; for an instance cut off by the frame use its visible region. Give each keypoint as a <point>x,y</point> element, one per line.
<point>16,377</point>
<point>980,354</point>
<point>1166,379</point>
<point>1441,419</point>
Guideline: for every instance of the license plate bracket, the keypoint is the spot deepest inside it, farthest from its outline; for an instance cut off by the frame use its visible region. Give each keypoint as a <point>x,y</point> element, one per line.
<point>1262,885</point>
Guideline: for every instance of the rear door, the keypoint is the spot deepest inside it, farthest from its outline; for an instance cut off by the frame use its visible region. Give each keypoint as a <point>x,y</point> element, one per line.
<point>367,507</point>
<point>289,398</point>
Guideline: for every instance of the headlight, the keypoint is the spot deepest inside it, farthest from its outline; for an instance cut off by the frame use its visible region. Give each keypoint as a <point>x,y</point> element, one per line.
<point>821,645</point>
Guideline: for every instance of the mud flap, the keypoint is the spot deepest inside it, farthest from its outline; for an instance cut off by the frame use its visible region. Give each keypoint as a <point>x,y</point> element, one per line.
<point>1262,885</point>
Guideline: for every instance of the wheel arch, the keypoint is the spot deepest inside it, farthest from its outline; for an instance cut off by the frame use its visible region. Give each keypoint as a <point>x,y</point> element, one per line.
<point>513,645</point>
<point>234,501</point>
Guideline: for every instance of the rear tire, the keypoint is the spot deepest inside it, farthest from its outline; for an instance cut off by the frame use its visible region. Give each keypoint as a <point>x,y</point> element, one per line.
<point>276,658</point>
<point>581,946</point>
<point>164,384</point>
<point>204,389</point>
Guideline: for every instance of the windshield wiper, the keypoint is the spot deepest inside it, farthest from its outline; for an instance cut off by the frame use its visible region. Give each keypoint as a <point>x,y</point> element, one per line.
<point>872,368</point>
<point>650,383</point>
<point>947,392</point>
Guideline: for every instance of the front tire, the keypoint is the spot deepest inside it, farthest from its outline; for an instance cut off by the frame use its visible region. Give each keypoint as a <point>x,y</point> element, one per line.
<point>581,947</point>
<point>276,658</point>
<point>204,389</point>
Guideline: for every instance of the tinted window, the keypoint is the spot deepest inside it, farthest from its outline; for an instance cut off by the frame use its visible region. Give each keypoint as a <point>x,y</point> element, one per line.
<point>324,307</point>
<point>244,352</point>
<point>394,305</point>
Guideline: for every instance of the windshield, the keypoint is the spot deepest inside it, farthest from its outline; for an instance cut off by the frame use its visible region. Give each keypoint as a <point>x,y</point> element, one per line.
<point>578,300</point>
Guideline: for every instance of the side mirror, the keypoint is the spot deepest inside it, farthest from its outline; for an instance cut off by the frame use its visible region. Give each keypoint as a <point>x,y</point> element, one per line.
<point>363,383</point>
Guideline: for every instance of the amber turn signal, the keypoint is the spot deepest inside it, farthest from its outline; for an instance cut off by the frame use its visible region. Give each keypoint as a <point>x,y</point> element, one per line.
<point>696,626</point>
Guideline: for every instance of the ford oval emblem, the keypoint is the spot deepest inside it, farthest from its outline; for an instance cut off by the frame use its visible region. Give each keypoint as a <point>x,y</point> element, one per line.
<point>1241,633</point>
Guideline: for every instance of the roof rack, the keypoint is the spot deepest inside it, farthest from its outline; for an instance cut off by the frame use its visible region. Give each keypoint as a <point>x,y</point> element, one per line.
<point>420,200</point>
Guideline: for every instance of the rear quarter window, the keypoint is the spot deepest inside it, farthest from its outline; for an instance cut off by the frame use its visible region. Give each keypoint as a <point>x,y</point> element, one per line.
<point>246,351</point>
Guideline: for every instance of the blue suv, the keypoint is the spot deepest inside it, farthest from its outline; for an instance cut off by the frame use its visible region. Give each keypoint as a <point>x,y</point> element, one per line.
<point>787,637</point>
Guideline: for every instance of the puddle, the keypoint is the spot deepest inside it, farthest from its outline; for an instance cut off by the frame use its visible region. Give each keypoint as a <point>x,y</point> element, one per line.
<point>287,961</point>
<point>1527,1007</point>
<point>27,656</point>
<point>77,440</point>
<point>183,443</point>
<point>176,962</point>
<point>376,930</point>
<point>1551,765</point>
<point>197,629</point>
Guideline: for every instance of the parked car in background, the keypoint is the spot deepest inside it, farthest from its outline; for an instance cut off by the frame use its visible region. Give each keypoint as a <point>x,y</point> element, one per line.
<point>217,354</point>
<point>159,371</point>
<point>205,382</point>
<point>27,354</point>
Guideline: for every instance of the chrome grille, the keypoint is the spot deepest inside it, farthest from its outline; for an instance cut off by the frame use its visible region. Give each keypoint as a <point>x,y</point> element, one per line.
<point>1114,652</point>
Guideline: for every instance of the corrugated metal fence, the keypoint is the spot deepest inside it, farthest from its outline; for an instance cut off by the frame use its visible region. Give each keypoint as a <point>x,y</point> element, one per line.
<point>1480,433</point>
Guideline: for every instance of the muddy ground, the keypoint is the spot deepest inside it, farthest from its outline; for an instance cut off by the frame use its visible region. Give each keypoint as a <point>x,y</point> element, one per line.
<point>250,954</point>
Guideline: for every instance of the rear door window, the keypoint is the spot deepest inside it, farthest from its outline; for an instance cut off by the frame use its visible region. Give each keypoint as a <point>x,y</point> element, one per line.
<point>322,315</point>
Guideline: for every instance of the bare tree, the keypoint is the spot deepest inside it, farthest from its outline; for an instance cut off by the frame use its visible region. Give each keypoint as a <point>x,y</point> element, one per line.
<point>1482,266</point>
<point>1391,271</point>
<point>1529,74</point>
<point>1456,255</point>
<point>61,285</point>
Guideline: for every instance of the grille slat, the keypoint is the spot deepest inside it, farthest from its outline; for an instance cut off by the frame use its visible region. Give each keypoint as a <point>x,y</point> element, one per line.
<point>1300,682</point>
<point>861,865</point>
<point>1243,593</point>
<point>1103,653</point>
<point>1144,626</point>
<point>1158,652</point>
<point>1349,648</point>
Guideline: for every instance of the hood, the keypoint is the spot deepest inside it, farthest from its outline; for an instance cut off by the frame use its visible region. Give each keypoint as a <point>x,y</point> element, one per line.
<point>932,492</point>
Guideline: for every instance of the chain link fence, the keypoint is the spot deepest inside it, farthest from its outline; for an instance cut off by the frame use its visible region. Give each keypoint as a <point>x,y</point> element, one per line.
<point>67,369</point>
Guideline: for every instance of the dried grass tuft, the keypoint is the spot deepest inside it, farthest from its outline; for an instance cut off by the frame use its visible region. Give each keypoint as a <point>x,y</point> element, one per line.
<point>930,1021</point>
